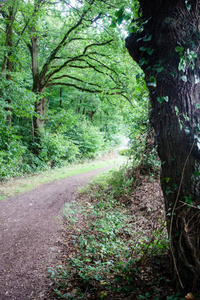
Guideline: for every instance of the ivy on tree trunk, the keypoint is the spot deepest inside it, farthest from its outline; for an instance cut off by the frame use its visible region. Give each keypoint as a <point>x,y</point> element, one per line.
<point>166,47</point>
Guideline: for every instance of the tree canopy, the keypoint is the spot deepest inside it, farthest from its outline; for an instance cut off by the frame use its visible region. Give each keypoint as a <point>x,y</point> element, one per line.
<point>65,76</point>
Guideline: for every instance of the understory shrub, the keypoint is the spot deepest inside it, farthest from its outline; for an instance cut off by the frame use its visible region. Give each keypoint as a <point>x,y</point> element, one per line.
<point>87,137</point>
<point>78,130</point>
<point>55,149</point>
<point>66,139</point>
<point>11,153</point>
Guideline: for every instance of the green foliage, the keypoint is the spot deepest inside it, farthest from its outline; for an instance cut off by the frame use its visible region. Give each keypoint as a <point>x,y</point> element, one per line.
<point>162,99</point>
<point>122,181</point>
<point>177,296</point>
<point>12,151</point>
<point>188,5</point>
<point>87,137</point>
<point>187,59</point>
<point>125,152</point>
<point>107,246</point>
<point>125,16</point>
<point>55,149</point>
<point>101,250</point>
<point>21,99</point>
<point>88,107</point>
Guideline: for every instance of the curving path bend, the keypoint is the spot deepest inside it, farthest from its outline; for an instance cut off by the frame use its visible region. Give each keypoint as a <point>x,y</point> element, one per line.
<point>31,235</point>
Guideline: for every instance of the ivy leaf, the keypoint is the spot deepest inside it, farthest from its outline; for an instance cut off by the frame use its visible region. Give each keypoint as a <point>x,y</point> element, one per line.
<point>166,98</point>
<point>188,200</point>
<point>188,6</point>
<point>150,52</point>
<point>176,110</point>
<point>162,99</point>
<point>144,48</point>
<point>158,70</point>
<point>152,81</point>
<point>143,61</point>
<point>152,84</point>
<point>182,65</point>
<point>147,49</point>
<point>197,106</point>
<point>187,130</point>
<point>196,173</point>
<point>179,49</point>
<point>184,78</point>
<point>147,38</point>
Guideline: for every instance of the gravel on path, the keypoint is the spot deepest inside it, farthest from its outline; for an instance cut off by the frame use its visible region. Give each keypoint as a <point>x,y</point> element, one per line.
<point>31,234</point>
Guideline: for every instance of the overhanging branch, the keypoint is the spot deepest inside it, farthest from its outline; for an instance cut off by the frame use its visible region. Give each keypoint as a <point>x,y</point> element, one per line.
<point>74,78</point>
<point>80,57</point>
<point>97,44</point>
<point>96,91</point>
<point>75,86</point>
<point>55,50</point>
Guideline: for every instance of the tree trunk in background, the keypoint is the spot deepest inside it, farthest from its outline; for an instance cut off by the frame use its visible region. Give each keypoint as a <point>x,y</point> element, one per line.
<point>60,97</point>
<point>7,62</point>
<point>168,51</point>
<point>9,77</point>
<point>91,114</point>
<point>40,111</point>
<point>38,89</point>
<point>78,109</point>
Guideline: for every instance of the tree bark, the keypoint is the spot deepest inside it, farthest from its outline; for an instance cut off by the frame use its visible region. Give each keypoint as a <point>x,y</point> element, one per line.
<point>7,62</point>
<point>9,77</point>
<point>60,97</point>
<point>167,50</point>
<point>38,88</point>
<point>91,114</point>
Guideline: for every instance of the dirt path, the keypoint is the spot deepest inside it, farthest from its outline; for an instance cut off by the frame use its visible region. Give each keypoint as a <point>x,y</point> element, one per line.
<point>30,236</point>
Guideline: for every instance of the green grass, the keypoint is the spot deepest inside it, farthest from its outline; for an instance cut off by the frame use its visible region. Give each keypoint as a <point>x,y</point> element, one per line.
<point>21,185</point>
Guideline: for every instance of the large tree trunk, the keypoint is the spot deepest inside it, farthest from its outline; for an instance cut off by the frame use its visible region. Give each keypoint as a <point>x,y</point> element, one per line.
<point>167,49</point>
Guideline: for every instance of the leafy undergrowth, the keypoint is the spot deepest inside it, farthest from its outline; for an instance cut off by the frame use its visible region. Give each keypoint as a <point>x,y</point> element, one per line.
<point>116,244</point>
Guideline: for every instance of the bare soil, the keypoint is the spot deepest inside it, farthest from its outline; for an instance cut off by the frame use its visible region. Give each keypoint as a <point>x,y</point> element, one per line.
<point>31,237</point>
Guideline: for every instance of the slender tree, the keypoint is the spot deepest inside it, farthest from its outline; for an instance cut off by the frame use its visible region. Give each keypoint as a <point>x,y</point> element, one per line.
<point>7,66</point>
<point>14,25</point>
<point>165,43</point>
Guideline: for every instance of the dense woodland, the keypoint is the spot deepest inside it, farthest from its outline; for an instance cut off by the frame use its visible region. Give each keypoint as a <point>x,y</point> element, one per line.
<point>68,91</point>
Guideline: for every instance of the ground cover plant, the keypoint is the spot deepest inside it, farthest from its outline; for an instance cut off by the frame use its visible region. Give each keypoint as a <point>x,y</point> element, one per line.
<point>116,244</point>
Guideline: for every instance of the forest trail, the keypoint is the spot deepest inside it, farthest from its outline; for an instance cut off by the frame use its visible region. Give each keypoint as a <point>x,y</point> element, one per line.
<point>31,235</point>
